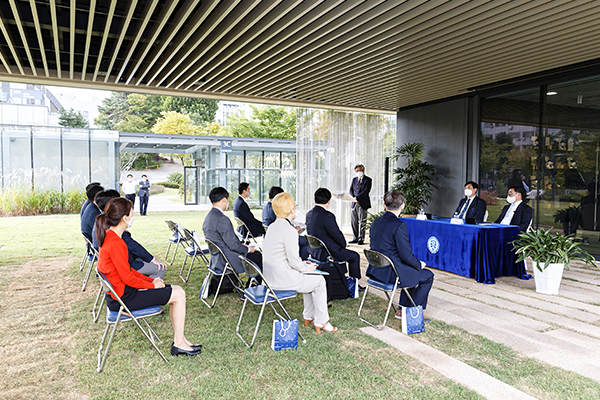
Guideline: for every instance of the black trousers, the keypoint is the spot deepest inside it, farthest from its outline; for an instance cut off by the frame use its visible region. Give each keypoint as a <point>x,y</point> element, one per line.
<point>421,293</point>
<point>131,198</point>
<point>144,204</point>
<point>353,260</point>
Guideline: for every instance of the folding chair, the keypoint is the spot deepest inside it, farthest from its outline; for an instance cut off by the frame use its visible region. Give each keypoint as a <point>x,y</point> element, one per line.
<point>262,295</point>
<point>194,250</point>
<point>92,258</point>
<point>176,238</point>
<point>214,251</point>
<point>87,254</point>
<point>337,285</point>
<point>379,260</point>
<point>124,315</point>
<point>99,303</point>
<point>248,233</point>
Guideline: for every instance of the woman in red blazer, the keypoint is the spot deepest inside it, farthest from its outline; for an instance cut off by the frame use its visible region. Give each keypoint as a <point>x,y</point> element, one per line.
<point>126,281</point>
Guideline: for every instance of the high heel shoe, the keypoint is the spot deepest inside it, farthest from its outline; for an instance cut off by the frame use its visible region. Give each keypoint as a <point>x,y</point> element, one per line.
<point>326,327</point>
<point>307,322</point>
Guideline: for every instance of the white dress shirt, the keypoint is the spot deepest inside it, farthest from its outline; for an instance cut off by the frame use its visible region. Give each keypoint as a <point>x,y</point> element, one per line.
<point>510,213</point>
<point>129,187</point>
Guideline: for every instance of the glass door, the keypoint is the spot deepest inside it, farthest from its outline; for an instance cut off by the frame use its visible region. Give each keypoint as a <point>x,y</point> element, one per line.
<point>190,181</point>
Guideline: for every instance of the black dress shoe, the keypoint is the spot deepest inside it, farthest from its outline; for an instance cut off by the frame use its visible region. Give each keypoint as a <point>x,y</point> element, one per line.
<point>361,242</point>
<point>361,288</point>
<point>176,351</point>
<point>353,241</point>
<point>196,347</point>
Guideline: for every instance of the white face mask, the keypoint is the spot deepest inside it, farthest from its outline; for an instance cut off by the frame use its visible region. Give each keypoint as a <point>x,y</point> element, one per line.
<point>360,174</point>
<point>130,179</point>
<point>511,200</point>
<point>130,223</point>
<point>468,192</point>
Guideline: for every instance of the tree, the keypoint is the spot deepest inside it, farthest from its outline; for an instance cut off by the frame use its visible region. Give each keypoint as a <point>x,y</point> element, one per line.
<point>201,111</point>
<point>72,119</point>
<point>174,123</point>
<point>414,181</point>
<point>113,111</point>
<point>266,122</point>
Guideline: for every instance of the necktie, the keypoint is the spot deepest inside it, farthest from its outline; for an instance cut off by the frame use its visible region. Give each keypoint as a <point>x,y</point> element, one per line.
<point>464,210</point>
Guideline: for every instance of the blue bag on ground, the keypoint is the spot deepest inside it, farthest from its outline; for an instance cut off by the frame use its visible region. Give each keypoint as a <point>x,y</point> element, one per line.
<point>285,335</point>
<point>412,320</point>
<point>352,286</point>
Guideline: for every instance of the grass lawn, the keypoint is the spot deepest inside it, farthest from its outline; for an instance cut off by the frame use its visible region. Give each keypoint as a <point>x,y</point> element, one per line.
<point>50,352</point>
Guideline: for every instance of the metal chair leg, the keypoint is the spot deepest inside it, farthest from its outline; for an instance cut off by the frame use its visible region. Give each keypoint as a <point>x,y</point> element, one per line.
<point>102,358</point>
<point>87,273</point>
<point>84,259</point>
<point>216,294</point>
<point>98,307</point>
<point>182,268</point>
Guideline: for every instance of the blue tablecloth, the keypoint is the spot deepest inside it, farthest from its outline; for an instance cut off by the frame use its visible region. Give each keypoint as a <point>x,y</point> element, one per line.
<point>482,252</point>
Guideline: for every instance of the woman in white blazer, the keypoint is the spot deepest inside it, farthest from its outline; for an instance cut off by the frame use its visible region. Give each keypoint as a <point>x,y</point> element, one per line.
<point>284,269</point>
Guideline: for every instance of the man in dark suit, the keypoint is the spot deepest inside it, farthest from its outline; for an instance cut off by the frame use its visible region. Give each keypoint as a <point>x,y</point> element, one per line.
<point>242,211</point>
<point>389,236</point>
<point>91,191</point>
<point>360,189</point>
<point>471,206</point>
<point>144,194</point>
<point>268,215</point>
<point>217,227</point>
<point>322,224</point>
<point>88,218</point>
<point>516,212</point>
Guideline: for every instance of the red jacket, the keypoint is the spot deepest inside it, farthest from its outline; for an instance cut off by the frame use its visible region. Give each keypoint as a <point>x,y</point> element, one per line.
<point>114,264</point>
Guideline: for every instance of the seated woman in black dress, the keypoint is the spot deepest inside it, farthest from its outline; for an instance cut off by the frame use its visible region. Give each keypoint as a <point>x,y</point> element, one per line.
<point>114,264</point>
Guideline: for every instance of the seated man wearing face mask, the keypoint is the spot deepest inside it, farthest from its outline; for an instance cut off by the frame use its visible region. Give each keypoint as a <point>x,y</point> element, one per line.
<point>516,212</point>
<point>471,206</point>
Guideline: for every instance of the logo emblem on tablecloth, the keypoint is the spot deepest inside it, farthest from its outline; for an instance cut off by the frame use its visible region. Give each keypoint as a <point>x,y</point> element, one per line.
<point>433,244</point>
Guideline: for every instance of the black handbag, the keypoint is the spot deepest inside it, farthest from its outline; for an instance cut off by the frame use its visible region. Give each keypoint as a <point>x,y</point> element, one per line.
<point>337,285</point>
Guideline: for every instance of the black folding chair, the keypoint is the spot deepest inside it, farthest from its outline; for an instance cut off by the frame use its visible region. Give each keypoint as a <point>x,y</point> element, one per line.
<point>91,260</point>
<point>262,295</point>
<point>380,260</point>
<point>337,285</point>
<point>227,271</point>
<point>87,255</point>
<point>177,237</point>
<point>194,250</point>
<point>123,315</point>
<point>249,235</point>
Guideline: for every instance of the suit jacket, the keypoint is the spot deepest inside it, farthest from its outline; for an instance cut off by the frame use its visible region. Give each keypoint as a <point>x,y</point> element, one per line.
<point>282,265</point>
<point>522,216</point>
<point>268,215</point>
<point>219,229</point>
<point>84,206</point>
<point>360,190</point>
<point>322,224</point>
<point>144,188</point>
<point>242,211</point>
<point>389,236</point>
<point>88,219</point>
<point>476,209</point>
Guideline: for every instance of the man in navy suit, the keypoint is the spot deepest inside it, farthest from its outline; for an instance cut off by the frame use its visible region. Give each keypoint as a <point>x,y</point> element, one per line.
<point>516,212</point>
<point>322,224</point>
<point>471,206</point>
<point>389,236</point>
<point>360,189</point>
<point>268,215</point>
<point>242,211</point>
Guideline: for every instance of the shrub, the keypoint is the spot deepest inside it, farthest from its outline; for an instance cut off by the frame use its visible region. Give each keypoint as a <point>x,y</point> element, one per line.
<point>175,177</point>
<point>156,189</point>
<point>490,196</point>
<point>170,185</point>
<point>21,201</point>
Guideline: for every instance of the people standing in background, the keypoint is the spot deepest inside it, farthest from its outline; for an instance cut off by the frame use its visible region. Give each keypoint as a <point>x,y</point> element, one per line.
<point>144,194</point>
<point>129,189</point>
<point>360,189</point>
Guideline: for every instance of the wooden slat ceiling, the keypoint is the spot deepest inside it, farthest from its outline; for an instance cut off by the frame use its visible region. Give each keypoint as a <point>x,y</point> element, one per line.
<point>352,54</point>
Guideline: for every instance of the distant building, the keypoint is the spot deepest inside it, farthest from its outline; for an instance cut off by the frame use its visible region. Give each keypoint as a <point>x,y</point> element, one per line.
<point>230,108</point>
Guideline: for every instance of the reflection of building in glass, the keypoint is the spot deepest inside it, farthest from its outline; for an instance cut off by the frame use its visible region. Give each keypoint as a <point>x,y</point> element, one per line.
<point>230,108</point>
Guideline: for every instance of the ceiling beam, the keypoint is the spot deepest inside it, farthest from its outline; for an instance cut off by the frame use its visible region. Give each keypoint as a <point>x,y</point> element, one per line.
<point>127,20</point>
<point>38,31</point>
<point>109,18</point>
<point>55,37</point>
<point>88,37</point>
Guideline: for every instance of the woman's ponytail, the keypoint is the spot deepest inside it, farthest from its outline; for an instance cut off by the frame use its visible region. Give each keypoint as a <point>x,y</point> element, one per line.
<point>101,228</point>
<point>114,211</point>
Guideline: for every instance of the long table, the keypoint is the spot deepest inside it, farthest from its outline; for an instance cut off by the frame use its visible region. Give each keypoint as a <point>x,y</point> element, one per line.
<point>482,252</point>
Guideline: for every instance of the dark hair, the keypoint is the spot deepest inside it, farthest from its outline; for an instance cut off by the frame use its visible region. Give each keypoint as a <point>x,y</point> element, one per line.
<point>359,166</point>
<point>472,183</point>
<point>520,189</point>
<point>92,190</point>
<point>322,196</point>
<point>218,193</point>
<point>243,186</point>
<point>393,200</point>
<point>144,176</point>
<point>116,209</point>
<point>104,197</point>
<point>129,175</point>
<point>517,173</point>
<point>274,191</point>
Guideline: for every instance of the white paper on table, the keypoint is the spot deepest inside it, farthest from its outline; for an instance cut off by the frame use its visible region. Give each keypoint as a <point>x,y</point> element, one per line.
<point>345,197</point>
<point>457,221</point>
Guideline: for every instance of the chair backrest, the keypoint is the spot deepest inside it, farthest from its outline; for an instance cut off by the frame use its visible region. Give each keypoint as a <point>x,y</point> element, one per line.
<point>215,250</point>
<point>172,226</point>
<point>485,216</point>
<point>253,271</point>
<point>107,287</point>
<point>317,243</point>
<point>187,234</point>
<point>242,223</point>
<point>380,260</point>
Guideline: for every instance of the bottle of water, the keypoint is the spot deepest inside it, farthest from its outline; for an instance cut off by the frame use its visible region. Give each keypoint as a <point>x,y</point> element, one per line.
<point>421,212</point>
<point>455,216</point>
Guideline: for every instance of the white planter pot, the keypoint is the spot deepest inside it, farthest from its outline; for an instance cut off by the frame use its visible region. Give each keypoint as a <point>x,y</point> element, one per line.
<point>548,281</point>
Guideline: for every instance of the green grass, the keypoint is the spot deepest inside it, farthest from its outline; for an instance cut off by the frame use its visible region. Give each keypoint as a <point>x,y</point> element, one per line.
<point>348,364</point>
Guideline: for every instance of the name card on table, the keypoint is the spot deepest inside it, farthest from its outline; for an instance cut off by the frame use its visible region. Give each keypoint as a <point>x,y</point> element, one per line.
<point>422,217</point>
<point>457,221</point>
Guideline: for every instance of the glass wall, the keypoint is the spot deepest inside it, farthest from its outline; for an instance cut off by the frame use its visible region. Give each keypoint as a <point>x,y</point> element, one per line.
<point>547,138</point>
<point>44,158</point>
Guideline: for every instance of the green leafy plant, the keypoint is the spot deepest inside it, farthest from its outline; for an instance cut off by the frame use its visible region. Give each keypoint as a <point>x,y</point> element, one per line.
<point>175,177</point>
<point>414,181</point>
<point>545,248</point>
<point>372,217</point>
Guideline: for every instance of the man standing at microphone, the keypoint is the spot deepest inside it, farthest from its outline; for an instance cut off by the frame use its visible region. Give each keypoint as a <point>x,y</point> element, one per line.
<point>359,190</point>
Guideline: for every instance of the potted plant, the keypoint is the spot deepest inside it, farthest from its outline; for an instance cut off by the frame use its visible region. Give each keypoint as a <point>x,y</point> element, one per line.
<point>550,254</point>
<point>569,217</point>
<point>415,179</point>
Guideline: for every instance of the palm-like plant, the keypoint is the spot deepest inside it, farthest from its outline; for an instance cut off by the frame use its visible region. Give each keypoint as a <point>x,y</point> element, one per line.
<point>414,181</point>
<point>545,248</point>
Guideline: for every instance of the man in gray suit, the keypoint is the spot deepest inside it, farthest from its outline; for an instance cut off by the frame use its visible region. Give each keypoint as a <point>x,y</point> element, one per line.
<point>218,228</point>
